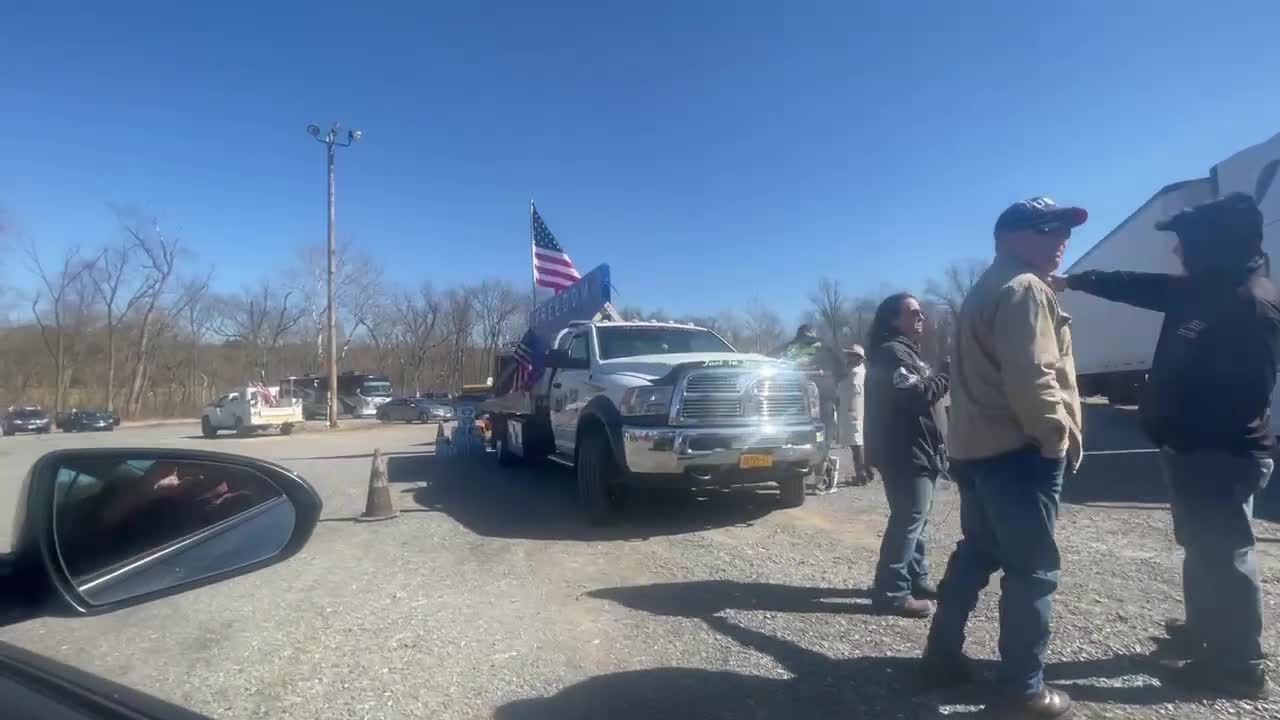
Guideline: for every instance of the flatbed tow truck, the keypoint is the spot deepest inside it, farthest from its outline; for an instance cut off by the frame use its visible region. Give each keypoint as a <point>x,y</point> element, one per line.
<point>633,404</point>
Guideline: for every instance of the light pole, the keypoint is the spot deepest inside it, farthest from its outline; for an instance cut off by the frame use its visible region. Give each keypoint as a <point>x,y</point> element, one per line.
<point>331,141</point>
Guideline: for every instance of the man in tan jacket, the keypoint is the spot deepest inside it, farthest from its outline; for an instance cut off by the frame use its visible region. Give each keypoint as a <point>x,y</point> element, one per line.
<point>1015,426</point>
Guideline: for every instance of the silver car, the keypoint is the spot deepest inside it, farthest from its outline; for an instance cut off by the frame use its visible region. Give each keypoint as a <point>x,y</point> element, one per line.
<point>409,409</point>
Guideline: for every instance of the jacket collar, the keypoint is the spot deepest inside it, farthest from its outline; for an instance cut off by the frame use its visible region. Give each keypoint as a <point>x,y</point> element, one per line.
<point>1014,265</point>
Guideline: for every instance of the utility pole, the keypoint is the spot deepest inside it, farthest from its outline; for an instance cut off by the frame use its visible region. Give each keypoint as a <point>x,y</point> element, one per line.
<point>332,142</point>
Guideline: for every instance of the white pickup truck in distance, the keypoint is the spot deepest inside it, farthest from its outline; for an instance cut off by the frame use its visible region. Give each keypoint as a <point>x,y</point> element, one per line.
<point>250,410</point>
<point>642,404</point>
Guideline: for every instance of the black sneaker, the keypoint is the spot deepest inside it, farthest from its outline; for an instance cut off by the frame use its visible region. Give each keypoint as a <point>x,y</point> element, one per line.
<point>1212,678</point>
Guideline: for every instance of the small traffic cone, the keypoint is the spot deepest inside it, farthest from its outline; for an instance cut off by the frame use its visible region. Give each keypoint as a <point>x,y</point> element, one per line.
<point>443,445</point>
<point>377,506</point>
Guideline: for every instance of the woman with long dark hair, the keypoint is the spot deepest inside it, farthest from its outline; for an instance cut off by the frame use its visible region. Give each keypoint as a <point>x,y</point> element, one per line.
<point>904,444</point>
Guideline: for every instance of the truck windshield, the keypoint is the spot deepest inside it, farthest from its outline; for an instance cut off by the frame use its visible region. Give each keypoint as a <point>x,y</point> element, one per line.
<point>620,342</point>
<point>376,389</point>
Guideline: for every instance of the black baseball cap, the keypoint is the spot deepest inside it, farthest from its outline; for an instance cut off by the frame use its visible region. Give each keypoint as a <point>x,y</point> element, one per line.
<point>1039,212</point>
<point>1235,215</point>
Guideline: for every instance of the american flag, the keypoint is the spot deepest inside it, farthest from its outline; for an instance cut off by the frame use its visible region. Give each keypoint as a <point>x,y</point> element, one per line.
<point>268,398</point>
<point>531,355</point>
<point>552,267</point>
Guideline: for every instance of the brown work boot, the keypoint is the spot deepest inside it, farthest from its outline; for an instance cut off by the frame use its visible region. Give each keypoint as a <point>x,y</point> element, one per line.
<point>907,607</point>
<point>1048,704</point>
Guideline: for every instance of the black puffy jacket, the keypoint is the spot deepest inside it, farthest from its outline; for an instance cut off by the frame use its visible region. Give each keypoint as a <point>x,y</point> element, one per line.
<point>903,423</point>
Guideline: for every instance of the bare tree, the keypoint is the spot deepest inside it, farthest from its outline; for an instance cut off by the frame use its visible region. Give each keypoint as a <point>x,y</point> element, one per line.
<point>958,278</point>
<point>862,311</point>
<point>197,317</point>
<point>57,309</point>
<point>831,309</point>
<point>763,328</point>
<point>257,322</point>
<point>417,319</point>
<point>113,279</point>
<point>159,254</point>
<point>496,306</point>
<point>357,288</point>
<point>459,323</point>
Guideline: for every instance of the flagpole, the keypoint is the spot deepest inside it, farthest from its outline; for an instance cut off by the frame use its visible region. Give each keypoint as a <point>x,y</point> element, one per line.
<point>533,258</point>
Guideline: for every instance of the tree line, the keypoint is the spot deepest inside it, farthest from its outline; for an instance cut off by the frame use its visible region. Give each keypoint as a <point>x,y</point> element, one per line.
<point>135,325</point>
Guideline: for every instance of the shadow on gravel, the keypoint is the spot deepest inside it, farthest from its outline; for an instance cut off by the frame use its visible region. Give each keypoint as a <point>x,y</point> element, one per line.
<point>541,502</point>
<point>819,686</point>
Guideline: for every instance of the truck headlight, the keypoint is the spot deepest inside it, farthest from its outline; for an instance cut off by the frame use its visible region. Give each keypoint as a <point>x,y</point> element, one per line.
<point>815,409</point>
<point>647,400</point>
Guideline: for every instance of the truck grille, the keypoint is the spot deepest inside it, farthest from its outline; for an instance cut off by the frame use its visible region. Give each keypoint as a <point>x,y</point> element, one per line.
<point>720,395</point>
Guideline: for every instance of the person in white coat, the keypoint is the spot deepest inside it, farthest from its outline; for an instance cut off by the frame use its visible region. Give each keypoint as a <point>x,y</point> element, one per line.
<point>852,406</point>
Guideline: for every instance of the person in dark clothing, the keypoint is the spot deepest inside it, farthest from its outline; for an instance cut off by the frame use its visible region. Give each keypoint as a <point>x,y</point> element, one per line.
<point>905,444</point>
<point>1206,405</point>
<point>825,367</point>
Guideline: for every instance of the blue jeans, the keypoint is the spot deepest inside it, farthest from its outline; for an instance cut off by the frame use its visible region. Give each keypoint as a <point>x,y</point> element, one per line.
<point>1008,509</point>
<point>904,565</point>
<point>1212,508</point>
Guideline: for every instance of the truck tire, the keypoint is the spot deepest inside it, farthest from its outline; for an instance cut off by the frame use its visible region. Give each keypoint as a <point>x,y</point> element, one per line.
<point>206,428</point>
<point>791,490</point>
<point>601,486</point>
<point>422,418</point>
<point>241,430</point>
<point>286,429</point>
<point>506,458</point>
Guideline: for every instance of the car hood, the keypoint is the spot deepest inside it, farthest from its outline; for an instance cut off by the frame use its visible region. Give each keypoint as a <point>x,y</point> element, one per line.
<point>652,367</point>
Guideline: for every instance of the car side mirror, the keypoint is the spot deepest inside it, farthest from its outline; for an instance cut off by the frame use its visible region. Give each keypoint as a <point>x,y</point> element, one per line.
<point>102,529</point>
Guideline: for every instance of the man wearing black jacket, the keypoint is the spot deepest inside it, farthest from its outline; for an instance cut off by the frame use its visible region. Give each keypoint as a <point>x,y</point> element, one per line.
<point>1206,404</point>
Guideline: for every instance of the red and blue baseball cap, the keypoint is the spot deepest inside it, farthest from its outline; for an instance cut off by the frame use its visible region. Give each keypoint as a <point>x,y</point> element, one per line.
<point>1039,213</point>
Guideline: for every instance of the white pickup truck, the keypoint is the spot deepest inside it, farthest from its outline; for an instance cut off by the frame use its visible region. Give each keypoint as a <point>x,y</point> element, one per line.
<point>643,403</point>
<point>249,410</point>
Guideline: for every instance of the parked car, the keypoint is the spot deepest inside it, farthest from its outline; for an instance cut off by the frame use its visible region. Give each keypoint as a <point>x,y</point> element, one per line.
<point>415,409</point>
<point>89,420</point>
<point>27,418</point>
<point>60,419</point>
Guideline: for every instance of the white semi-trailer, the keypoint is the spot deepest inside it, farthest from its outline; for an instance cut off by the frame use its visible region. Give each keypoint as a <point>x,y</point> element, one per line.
<point>1113,343</point>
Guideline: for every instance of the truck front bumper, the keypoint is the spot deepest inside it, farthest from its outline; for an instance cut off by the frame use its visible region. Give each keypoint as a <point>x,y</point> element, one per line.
<point>706,451</point>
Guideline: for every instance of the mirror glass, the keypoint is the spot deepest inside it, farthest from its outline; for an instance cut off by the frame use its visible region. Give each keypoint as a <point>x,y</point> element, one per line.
<point>126,526</point>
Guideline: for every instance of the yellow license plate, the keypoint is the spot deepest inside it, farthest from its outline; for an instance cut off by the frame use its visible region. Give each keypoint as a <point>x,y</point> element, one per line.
<point>749,461</point>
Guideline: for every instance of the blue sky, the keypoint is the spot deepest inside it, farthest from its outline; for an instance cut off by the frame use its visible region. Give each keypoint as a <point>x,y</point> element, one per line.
<point>709,151</point>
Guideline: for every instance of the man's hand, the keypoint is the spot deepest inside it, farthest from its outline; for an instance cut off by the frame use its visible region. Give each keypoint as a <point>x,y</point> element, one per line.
<point>1058,282</point>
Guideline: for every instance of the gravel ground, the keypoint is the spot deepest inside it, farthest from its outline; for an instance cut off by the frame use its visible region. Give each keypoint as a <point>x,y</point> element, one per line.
<point>489,597</point>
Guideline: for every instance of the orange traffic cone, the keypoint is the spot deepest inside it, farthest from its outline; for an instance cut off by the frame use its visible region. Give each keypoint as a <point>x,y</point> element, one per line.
<point>377,506</point>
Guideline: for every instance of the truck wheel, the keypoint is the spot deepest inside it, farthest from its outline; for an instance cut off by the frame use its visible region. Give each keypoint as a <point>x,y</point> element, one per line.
<point>206,428</point>
<point>601,488</point>
<point>791,490</point>
<point>422,418</point>
<point>286,429</point>
<point>506,458</point>
<point>241,430</point>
